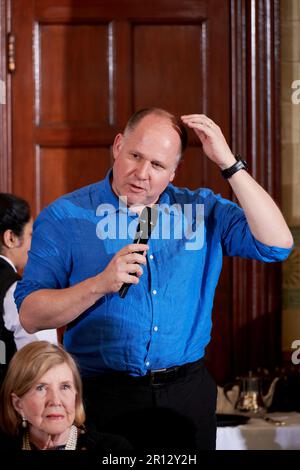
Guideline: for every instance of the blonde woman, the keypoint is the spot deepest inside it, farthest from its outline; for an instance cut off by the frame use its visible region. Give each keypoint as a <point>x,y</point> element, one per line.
<point>41,404</point>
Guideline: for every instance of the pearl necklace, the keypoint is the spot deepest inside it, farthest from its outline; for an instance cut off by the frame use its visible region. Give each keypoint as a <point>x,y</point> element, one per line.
<point>70,445</point>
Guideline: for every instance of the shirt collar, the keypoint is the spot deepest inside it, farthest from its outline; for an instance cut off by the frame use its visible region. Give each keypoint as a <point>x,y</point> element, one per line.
<point>115,204</point>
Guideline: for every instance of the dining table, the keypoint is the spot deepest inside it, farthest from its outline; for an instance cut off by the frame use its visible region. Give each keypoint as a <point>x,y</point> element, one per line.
<point>273,431</point>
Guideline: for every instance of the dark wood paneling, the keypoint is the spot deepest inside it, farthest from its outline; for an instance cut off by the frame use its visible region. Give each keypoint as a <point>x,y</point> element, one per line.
<point>157,76</point>
<point>90,10</point>
<point>66,135</point>
<point>191,169</point>
<point>62,170</point>
<point>5,118</point>
<point>73,58</point>
<point>256,134</point>
<point>23,104</point>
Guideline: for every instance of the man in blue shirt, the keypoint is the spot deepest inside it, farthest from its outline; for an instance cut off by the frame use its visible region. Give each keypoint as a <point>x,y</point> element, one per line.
<point>141,356</point>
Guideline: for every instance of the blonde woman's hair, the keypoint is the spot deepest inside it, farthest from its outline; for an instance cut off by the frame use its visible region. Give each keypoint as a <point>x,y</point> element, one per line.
<point>25,369</point>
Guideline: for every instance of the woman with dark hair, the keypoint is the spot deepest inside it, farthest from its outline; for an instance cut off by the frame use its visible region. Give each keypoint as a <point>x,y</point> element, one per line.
<point>41,405</point>
<point>15,239</point>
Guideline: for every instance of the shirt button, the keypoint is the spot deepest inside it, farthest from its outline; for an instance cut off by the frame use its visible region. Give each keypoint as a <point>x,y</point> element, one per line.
<point>154,292</point>
<point>147,363</point>
<point>155,328</point>
<point>151,256</point>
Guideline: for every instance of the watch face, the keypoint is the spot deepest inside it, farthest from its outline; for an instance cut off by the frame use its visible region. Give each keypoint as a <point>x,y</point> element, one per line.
<point>240,159</point>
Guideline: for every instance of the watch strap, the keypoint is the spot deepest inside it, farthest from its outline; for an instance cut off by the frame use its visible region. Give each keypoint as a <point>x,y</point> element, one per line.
<point>240,164</point>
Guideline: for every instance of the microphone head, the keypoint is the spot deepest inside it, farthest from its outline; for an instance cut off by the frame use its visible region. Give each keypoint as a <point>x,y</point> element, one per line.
<point>147,222</point>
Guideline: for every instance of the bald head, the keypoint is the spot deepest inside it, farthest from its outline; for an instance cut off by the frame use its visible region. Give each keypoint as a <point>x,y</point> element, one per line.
<point>162,114</point>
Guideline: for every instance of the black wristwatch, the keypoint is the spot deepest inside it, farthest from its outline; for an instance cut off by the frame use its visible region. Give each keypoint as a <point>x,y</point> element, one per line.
<point>239,165</point>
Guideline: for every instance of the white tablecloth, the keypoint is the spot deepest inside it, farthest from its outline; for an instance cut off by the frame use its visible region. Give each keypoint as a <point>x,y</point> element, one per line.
<point>258,434</point>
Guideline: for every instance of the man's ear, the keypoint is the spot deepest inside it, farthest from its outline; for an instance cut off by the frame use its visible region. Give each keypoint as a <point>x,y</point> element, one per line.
<point>117,145</point>
<point>172,176</point>
<point>16,402</point>
<point>10,239</point>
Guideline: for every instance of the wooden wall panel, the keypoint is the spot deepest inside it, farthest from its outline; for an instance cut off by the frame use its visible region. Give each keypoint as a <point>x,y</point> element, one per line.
<point>256,314</point>
<point>62,170</point>
<point>191,164</point>
<point>5,109</point>
<point>163,79</point>
<point>196,171</point>
<point>73,74</point>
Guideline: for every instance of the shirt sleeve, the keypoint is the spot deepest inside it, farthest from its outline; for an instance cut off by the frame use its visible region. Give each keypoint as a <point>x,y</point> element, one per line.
<point>49,262</point>
<point>237,239</point>
<point>12,323</point>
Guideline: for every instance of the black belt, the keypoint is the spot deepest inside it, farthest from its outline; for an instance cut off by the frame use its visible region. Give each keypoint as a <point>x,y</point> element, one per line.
<point>153,377</point>
<point>161,376</point>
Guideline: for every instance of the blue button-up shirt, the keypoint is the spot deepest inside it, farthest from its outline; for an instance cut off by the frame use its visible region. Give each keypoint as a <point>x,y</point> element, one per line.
<point>165,320</point>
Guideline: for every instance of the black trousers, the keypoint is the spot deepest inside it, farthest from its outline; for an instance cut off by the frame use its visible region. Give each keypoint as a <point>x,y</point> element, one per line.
<point>178,415</point>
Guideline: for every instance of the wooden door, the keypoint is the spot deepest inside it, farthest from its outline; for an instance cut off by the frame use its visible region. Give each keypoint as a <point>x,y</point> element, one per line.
<point>83,66</point>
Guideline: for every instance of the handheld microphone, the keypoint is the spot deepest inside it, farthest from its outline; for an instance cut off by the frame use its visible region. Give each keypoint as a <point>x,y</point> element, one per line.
<point>147,222</point>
